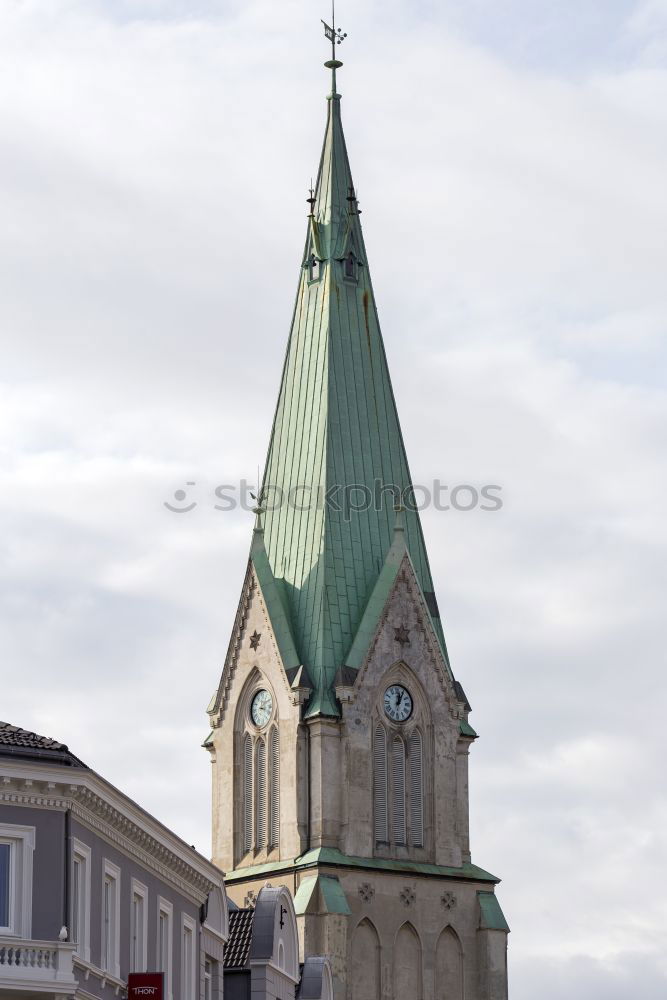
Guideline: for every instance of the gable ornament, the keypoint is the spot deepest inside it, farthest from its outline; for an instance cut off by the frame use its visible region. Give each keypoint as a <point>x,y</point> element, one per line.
<point>402,635</point>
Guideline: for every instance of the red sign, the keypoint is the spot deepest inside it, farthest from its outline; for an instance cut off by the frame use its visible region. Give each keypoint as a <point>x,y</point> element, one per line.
<point>145,986</point>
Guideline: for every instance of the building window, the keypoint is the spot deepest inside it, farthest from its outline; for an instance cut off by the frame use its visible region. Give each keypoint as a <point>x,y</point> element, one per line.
<point>80,899</point>
<point>208,979</point>
<point>314,268</point>
<point>17,844</point>
<point>350,267</point>
<point>165,913</point>
<point>260,795</point>
<point>259,804</point>
<point>5,884</point>
<point>138,927</point>
<point>188,982</point>
<point>380,785</point>
<point>110,956</point>
<point>247,793</point>
<point>274,790</point>
<point>398,788</point>
<point>415,760</point>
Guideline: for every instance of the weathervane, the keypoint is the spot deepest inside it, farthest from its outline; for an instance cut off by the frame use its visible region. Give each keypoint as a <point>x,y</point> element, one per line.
<point>334,34</point>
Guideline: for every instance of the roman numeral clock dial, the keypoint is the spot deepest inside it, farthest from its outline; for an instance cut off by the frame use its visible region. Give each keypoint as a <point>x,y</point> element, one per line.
<point>397,703</point>
<point>261,708</point>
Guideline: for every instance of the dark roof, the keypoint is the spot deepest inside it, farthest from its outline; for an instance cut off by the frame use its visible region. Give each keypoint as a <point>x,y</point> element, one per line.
<point>17,742</point>
<point>237,949</point>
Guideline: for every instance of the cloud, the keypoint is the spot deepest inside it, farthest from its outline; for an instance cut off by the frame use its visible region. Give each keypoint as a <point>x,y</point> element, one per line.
<point>154,167</point>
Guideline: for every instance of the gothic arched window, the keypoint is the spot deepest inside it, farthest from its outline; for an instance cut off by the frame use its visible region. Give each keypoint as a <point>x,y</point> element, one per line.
<point>399,767</point>
<point>258,807</point>
<point>350,267</point>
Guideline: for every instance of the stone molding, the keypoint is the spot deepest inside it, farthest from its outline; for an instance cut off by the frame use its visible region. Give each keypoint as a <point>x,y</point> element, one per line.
<point>103,809</point>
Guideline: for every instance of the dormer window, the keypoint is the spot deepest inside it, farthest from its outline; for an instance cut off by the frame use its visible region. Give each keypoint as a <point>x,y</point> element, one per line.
<point>350,267</point>
<point>314,267</point>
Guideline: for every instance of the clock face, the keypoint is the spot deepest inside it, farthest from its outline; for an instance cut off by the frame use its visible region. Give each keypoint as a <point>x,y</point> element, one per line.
<point>261,708</point>
<point>397,703</point>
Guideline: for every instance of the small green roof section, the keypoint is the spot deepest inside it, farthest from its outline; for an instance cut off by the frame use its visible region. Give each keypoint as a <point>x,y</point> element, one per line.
<point>331,899</point>
<point>274,598</point>
<point>335,442</point>
<point>491,917</point>
<point>466,729</point>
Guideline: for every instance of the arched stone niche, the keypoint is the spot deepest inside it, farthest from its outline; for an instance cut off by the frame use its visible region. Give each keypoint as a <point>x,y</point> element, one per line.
<point>364,979</point>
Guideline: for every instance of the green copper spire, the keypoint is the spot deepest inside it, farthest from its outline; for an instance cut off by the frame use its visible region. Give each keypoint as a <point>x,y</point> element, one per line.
<point>336,440</point>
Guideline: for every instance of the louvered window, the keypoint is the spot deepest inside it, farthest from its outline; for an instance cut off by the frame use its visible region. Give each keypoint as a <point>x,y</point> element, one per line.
<point>247,793</point>
<point>274,794</point>
<point>380,785</point>
<point>260,795</point>
<point>398,789</point>
<point>416,790</point>
<point>351,266</point>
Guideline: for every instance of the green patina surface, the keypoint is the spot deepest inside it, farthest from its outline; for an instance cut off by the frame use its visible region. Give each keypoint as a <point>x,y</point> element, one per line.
<point>466,729</point>
<point>335,425</point>
<point>331,856</point>
<point>333,896</point>
<point>491,916</point>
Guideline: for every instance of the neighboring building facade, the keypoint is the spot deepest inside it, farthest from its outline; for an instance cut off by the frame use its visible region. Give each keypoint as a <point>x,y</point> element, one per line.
<point>262,954</point>
<point>340,737</point>
<point>92,887</point>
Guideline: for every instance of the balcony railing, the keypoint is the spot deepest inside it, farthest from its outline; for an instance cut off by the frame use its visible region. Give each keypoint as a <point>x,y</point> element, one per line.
<point>24,962</point>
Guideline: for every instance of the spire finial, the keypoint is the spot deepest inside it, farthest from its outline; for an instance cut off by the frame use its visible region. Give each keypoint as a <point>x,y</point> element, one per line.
<point>336,37</point>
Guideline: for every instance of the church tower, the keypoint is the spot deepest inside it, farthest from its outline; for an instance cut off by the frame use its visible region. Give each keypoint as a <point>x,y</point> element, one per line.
<point>340,737</point>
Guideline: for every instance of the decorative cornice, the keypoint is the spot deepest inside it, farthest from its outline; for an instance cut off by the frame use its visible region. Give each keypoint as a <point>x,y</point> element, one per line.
<point>106,979</point>
<point>91,800</point>
<point>112,825</point>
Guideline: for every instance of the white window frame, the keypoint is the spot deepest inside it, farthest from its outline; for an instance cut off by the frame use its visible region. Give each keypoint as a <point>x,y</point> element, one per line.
<point>21,840</point>
<point>139,961</point>
<point>188,928</point>
<point>82,854</point>
<point>208,977</point>
<point>166,908</point>
<point>111,872</point>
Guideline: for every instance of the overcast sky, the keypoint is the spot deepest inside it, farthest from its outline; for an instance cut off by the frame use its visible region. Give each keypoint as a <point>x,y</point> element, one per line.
<point>511,163</point>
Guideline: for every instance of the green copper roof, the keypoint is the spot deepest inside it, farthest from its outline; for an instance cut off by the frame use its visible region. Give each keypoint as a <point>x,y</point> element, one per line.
<point>332,895</point>
<point>491,916</point>
<point>335,426</point>
<point>330,856</point>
